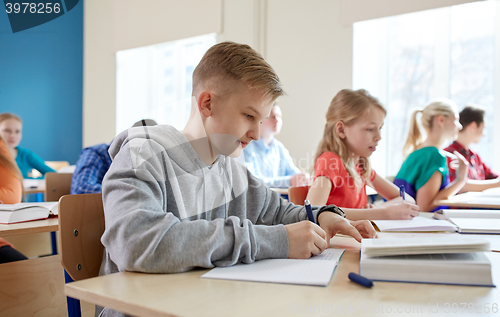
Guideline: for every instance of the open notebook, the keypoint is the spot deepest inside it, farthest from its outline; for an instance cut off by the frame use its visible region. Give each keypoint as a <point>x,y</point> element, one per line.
<point>316,271</point>
<point>472,221</point>
<point>416,224</point>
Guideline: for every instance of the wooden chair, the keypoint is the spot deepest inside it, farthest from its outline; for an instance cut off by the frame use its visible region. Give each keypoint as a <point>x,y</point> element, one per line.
<point>57,185</point>
<point>297,194</point>
<point>81,225</point>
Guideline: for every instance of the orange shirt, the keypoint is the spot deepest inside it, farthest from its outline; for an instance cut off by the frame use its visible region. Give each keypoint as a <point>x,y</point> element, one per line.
<point>11,188</point>
<point>343,192</point>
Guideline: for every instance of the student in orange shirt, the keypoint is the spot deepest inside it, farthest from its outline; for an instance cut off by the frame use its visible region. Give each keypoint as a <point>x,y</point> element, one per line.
<point>10,193</point>
<point>342,168</point>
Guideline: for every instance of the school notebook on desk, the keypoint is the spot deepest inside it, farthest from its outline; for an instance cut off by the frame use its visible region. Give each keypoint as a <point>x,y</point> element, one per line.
<point>472,221</point>
<point>416,224</point>
<point>27,211</point>
<point>316,271</point>
<point>460,268</point>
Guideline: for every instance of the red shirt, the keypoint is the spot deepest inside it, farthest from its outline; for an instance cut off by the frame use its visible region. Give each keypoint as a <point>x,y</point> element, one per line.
<point>343,193</point>
<point>477,169</point>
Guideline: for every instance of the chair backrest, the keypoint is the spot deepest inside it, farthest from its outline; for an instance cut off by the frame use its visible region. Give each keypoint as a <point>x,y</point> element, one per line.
<point>57,185</point>
<point>297,194</point>
<point>81,225</point>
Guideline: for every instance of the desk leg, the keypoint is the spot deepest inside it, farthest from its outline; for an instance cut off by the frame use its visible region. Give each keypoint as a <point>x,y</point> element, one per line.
<point>74,309</point>
<point>53,239</point>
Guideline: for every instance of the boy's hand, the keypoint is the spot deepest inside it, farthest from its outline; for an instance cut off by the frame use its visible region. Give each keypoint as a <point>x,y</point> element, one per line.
<point>404,211</point>
<point>305,239</point>
<point>333,224</point>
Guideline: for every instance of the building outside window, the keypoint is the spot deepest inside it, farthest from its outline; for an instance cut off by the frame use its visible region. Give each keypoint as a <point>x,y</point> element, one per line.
<point>406,61</point>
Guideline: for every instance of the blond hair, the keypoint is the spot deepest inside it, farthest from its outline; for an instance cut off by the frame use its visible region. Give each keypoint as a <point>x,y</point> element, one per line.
<point>229,62</point>
<point>8,161</point>
<point>439,107</point>
<point>6,116</point>
<point>347,106</point>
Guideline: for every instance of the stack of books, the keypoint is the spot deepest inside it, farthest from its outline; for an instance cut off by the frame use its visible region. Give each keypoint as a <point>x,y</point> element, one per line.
<point>458,260</point>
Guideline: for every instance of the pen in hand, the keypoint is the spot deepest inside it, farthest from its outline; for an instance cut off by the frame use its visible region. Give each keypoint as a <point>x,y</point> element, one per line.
<point>402,192</point>
<point>310,215</point>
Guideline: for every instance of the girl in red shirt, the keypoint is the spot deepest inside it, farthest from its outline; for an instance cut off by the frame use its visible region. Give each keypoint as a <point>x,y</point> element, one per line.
<point>342,168</point>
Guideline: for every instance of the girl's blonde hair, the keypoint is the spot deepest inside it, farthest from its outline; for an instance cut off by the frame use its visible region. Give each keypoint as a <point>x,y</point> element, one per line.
<point>9,162</point>
<point>347,106</point>
<point>6,116</point>
<point>439,107</point>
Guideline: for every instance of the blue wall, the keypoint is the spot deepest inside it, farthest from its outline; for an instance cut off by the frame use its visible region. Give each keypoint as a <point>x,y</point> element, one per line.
<point>41,78</point>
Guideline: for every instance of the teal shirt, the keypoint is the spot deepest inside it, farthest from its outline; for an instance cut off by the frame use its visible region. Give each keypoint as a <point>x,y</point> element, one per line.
<point>27,160</point>
<point>419,167</point>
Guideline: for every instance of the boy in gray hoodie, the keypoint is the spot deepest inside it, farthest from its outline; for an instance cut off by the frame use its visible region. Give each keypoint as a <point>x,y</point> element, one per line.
<point>175,200</point>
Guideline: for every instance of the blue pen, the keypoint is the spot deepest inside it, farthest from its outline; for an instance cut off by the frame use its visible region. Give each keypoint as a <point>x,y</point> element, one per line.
<point>402,192</point>
<point>310,215</point>
<point>361,280</point>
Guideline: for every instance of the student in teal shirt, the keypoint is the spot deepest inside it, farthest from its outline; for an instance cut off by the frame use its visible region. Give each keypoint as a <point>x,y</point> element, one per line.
<point>11,130</point>
<point>424,173</point>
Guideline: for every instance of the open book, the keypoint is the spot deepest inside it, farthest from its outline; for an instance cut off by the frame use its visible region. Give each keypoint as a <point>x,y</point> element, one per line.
<point>472,221</point>
<point>316,271</point>
<point>460,268</point>
<point>416,224</point>
<point>27,211</point>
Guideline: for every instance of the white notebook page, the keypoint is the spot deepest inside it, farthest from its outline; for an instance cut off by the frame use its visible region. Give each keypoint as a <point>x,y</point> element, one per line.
<point>315,271</point>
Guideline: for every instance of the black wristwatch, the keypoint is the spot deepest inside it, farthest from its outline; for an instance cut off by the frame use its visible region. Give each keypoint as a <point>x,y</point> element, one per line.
<point>330,208</point>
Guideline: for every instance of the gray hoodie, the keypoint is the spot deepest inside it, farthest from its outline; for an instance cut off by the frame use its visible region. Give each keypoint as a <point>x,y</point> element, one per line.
<point>166,211</point>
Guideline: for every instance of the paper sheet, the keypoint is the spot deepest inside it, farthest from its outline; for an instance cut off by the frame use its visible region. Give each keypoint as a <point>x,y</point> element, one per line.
<point>316,271</point>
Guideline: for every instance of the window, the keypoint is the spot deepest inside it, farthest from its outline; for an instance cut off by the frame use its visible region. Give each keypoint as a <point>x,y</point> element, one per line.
<point>407,61</point>
<point>155,82</point>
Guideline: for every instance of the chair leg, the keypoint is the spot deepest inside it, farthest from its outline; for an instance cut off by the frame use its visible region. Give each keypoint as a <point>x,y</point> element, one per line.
<point>53,239</point>
<point>74,309</point>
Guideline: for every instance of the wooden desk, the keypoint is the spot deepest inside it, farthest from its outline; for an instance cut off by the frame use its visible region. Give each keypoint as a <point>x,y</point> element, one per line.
<point>45,225</point>
<point>33,186</point>
<point>471,200</point>
<point>186,294</point>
